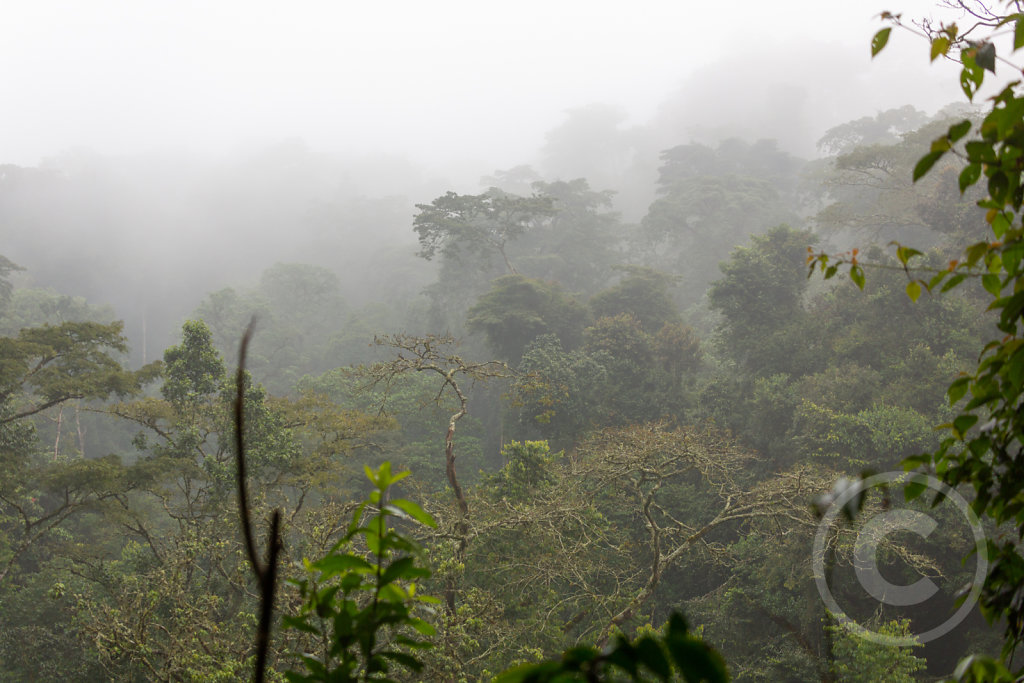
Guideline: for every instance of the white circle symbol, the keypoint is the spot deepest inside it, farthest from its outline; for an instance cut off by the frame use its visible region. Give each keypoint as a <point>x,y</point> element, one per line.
<point>866,565</point>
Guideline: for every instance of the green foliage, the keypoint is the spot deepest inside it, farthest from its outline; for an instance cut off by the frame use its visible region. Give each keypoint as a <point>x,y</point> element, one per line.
<point>44,366</point>
<point>477,225</point>
<point>626,351</point>
<point>361,604</point>
<point>6,268</point>
<point>37,307</point>
<point>527,468</point>
<point>885,128</point>
<point>194,369</point>
<point>870,193</point>
<point>987,457</point>
<point>859,660</point>
<point>652,657</point>
<point>710,200</point>
<point>578,244</point>
<point>558,392</point>
<point>643,293</point>
<point>760,296</point>
<point>299,310</point>
<point>518,309</point>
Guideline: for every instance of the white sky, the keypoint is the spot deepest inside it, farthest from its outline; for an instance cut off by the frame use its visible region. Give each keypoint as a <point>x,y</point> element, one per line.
<point>434,80</point>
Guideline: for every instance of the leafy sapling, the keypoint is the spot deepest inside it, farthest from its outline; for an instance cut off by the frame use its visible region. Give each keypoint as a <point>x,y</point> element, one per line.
<point>361,599</point>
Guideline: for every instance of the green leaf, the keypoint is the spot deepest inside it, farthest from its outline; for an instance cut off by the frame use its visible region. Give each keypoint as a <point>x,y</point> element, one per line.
<point>392,593</point>
<point>371,475</point>
<point>299,624</point>
<point>528,672</point>
<point>975,252</point>
<point>697,662</point>
<point>958,130</point>
<point>415,511</point>
<point>857,275</point>
<point>677,626</point>
<point>425,628</point>
<point>1018,32</point>
<point>384,475</point>
<point>651,655</point>
<point>940,46</point>
<point>406,660</point>
<point>936,279</point>
<point>912,462</point>
<point>914,489</point>
<point>372,540</point>
<point>981,152</point>
<point>998,184</point>
<point>953,282</point>
<point>879,40</point>
<point>913,290</point>
<point>1000,225</point>
<point>962,423</point>
<point>971,75</point>
<point>404,568</point>
<point>958,389</point>
<point>925,164</point>
<point>904,254</point>
<point>333,565</point>
<point>969,176</point>
<point>624,656</point>
<point>580,654</point>
<point>992,284</point>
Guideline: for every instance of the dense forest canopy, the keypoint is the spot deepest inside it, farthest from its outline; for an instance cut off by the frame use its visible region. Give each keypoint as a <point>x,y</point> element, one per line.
<point>552,412</point>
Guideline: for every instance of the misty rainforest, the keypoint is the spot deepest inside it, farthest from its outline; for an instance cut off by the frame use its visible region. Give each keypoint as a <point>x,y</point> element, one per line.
<point>729,391</point>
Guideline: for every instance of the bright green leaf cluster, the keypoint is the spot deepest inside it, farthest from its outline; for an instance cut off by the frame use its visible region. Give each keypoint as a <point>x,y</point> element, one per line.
<point>363,604</point>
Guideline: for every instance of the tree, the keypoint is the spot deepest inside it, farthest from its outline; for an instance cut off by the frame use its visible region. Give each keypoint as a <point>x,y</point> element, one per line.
<point>710,199</point>
<point>518,309</point>
<point>434,355</point>
<point>477,225</point>
<point>760,296</point>
<point>885,128</point>
<point>168,596</point>
<point>643,293</point>
<point>6,268</point>
<point>872,192</point>
<point>558,392</point>
<point>298,309</point>
<point>579,243</point>
<point>45,366</point>
<point>42,368</point>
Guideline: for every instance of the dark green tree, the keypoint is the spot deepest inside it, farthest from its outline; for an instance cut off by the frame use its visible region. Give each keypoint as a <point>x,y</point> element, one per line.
<point>480,226</point>
<point>517,310</point>
<point>761,298</point>
<point>643,293</point>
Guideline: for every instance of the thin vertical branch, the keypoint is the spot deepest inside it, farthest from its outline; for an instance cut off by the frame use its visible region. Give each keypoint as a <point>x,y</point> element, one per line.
<point>266,574</point>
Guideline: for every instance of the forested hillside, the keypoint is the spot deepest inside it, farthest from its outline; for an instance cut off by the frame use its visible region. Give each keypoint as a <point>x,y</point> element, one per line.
<point>609,418</point>
<point>666,401</point>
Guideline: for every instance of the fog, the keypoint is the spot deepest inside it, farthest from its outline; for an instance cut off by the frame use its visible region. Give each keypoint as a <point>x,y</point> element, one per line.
<point>581,231</point>
<point>155,153</point>
<point>430,81</point>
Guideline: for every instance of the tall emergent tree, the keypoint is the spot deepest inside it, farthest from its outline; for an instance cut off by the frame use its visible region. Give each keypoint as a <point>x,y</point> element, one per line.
<point>435,356</point>
<point>479,225</point>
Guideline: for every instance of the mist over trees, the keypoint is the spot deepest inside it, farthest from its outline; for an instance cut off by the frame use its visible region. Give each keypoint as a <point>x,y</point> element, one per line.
<point>616,389</point>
